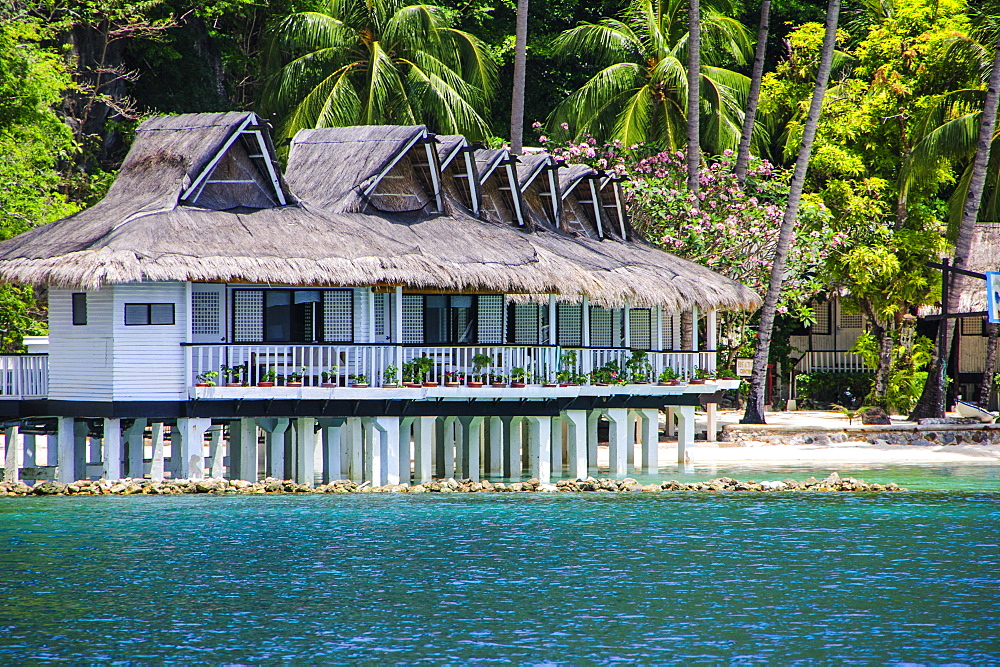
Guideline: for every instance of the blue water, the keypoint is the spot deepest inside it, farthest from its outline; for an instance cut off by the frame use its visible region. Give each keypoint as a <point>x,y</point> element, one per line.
<point>577,578</point>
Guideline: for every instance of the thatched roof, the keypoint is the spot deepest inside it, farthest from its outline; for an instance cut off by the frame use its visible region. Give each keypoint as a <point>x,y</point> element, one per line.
<point>449,147</point>
<point>985,256</point>
<point>143,231</point>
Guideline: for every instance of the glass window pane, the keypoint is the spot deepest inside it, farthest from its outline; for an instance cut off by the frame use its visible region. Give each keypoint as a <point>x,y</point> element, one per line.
<point>436,320</point>
<point>277,316</point>
<point>462,301</point>
<point>79,308</point>
<point>161,313</point>
<point>277,298</point>
<point>136,313</point>
<point>307,296</point>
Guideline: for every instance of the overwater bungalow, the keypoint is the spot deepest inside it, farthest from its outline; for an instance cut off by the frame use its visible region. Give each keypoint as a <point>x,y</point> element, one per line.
<point>391,307</point>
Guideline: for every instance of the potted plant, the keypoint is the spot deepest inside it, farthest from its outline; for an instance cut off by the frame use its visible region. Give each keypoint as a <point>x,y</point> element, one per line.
<point>498,380</point>
<point>480,363</point>
<point>207,379</point>
<point>295,378</point>
<point>668,377</point>
<point>268,378</point>
<point>638,367</point>
<point>700,375</point>
<point>329,378</point>
<point>234,376</point>
<point>358,381</point>
<point>517,377</point>
<point>726,374</point>
<point>424,365</point>
<point>410,374</point>
<point>453,379</point>
<point>390,377</point>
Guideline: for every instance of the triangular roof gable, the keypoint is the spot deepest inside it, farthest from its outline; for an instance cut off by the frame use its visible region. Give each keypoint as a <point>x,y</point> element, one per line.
<point>613,207</point>
<point>342,169</point>
<point>241,172</point>
<point>458,171</point>
<point>538,181</point>
<point>498,174</point>
<point>579,190</point>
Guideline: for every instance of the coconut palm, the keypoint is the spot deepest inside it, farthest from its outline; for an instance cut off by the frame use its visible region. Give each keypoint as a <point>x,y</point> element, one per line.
<point>753,98</point>
<point>372,62</point>
<point>755,400</point>
<point>694,96</point>
<point>640,94</point>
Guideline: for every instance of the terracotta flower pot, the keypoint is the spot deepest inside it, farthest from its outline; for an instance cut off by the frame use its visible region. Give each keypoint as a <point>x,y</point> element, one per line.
<point>517,385</point>
<point>203,384</point>
<point>329,385</point>
<point>498,385</point>
<point>389,385</point>
<point>697,380</point>
<point>411,385</point>
<point>474,385</point>
<point>550,384</point>
<point>265,384</point>
<point>430,384</point>
<point>234,384</point>
<point>452,385</point>
<point>675,383</point>
<point>360,385</point>
<point>293,384</point>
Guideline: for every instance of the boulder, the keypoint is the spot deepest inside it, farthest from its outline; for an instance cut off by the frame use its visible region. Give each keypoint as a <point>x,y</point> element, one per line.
<point>875,416</point>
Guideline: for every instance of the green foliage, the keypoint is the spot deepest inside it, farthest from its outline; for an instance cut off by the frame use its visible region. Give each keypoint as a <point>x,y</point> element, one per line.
<point>374,63</point>
<point>825,388</point>
<point>640,94</point>
<point>906,380</point>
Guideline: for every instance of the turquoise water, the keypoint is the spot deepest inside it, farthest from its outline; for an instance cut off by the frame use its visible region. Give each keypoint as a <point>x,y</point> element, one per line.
<point>577,578</point>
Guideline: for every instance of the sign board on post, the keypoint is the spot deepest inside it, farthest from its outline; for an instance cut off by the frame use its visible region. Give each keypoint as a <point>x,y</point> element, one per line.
<point>993,296</point>
<point>744,368</point>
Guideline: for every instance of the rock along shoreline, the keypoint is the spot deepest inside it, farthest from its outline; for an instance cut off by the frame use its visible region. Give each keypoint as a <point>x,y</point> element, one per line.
<point>834,483</point>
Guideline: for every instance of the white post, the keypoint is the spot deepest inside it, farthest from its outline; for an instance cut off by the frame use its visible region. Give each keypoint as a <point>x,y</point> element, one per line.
<point>593,420</point>
<point>650,440</point>
<point>694,331</point>
<point>332,452</point>
<point>405,451</point>
<point>305,450</point>
<point>576,435</point>
<point>112,449</point>
<point>712,431</point>
<point>658,326</point>
<point>176,447</point>
<point>28,447</point>
<point>192,448</point>
<point>243,450</point>
<point>512,444</point>
<point>585,323</point>
<point>423,445</point>
<point>216,451</point>
<point>472,436</point>
<point>496,441</point>
<point>372,452</point>
<point>675,333</point>
<point>627,324</point>
<point>136,445</point>
<point>618,440</point>
<point>540,448</point>
<point>275,439</point>
<point>12,459</point>
<point>66,446</point>
<point>685,431</point>
<point>670,427</point>
<point>445,446</point>
<point>389,441</point>
<point>156,462</point>
<point>557,446</point>
<point>354,433</point>
<point>552,319</point>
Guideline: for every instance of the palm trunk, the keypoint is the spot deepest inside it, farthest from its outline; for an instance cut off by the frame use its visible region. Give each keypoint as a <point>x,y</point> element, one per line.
<point>750,117</point>
<point>755,401</point>
<point>986,385</point>
<point>694,96</point>
<point>932,400</point>
<point>520,58</point>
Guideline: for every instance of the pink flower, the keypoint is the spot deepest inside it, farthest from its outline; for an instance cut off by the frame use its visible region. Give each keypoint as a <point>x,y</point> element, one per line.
<point>543,139</point>
<point>565,126</point>
<point>536,125</point>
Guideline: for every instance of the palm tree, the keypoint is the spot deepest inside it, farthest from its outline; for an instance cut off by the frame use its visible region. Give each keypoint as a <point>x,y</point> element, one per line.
<point>370,62</point>
<point>753,97</point>
<point>694,96</point>
<point>640,93</point>
<point>932,400</point>
<point>517,97</point>
<point>755,401</point>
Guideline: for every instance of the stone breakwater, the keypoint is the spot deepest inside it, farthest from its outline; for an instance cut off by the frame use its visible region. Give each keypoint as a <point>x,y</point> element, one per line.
<point>136,487</point>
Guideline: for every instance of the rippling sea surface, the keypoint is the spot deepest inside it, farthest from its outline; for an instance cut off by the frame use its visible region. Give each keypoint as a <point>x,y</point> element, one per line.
<point>574,578</point>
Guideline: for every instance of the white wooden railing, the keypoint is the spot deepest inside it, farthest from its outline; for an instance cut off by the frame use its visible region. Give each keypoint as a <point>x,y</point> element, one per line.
<point>24,376</point>
<point>832,361</point>
<point>340,365</point>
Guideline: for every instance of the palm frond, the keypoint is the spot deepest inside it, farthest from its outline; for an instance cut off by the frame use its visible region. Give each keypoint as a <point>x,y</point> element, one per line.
<point>594,107</point>
<point>444,99</point>
<point>475,62</point>
<point>632,124</point>
<point>605,43</point>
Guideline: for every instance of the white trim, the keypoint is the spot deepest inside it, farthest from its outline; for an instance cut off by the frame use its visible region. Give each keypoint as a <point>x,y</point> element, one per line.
<point>269,163</point>
<point>627,324</point>
<point>435,176</point>
<point>553,184</point>
<point>694,328</point>
<point>658,338</point>
<point>598,213</point>
<point>515,193</point>
<point>452,155</point>
<point>619,208</point>
<point>491,167</point>
<point>196,186</point>
<point>399,156</point>
<point>585,322</point>
<point>552,319</point>
<point>470,169</point>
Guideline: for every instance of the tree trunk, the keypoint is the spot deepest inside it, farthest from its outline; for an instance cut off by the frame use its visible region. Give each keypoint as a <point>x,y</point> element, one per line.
<point>694,96</point>
<point>750,117</point>
<point>517,98</point>
<point>986,385</point>
<point>755,401</point>
<point>885,347</point>
<point>932,400</point>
